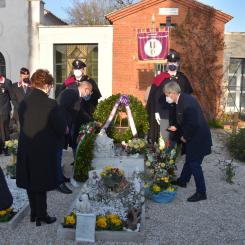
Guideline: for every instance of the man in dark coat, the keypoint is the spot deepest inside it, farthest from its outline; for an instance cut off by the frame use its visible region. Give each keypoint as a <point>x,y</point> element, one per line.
<point>194,135</point>
<point>20,90</point>
<point>161,113</point>
<point>42,126</point>
<point>90,103</point>
<point>6,198</point>
<point>6,94</point>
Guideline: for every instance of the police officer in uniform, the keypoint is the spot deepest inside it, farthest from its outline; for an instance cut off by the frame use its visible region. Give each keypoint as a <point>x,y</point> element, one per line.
<point>6,94</point>
<point>20,90</point>
<point>166,113</point>
<point>91,101</point>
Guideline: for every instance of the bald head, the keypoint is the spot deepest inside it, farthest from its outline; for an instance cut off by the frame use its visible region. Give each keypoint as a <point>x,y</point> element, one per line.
<point>85,88</point>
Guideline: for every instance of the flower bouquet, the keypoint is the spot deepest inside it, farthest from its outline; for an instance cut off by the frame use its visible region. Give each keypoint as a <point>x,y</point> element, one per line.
<point>113,179</point>
<point>70,220</point>
<point>12,148</point>
<point>6,215</point>
<point>109,222</point>
<point>160,172</point>
<point>135,146</point>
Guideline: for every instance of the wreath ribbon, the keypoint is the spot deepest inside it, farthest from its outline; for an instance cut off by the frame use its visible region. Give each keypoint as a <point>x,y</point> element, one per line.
<point>124,99</point>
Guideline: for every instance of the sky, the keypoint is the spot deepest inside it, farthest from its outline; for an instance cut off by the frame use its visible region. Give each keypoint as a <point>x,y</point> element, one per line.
<point>233,8</point>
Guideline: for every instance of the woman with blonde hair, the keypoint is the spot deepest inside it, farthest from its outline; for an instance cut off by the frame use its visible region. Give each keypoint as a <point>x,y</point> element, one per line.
<point>42,127</point>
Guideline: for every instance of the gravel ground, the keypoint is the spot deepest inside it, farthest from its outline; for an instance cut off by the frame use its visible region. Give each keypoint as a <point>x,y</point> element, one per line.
<point>220,220</point>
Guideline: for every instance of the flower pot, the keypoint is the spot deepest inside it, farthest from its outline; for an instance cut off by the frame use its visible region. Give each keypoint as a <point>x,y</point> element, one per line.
<point>164,196</point>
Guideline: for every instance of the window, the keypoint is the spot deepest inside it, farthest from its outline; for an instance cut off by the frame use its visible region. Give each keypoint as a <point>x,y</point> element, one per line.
<point>64,55</point>
<point>2,3</point>
<point>236,85</point>
<point>2,65</point>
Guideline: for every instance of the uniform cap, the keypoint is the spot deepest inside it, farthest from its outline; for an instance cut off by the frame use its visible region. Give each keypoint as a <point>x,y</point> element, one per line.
<point>173,56</point>
<point>78,64</point>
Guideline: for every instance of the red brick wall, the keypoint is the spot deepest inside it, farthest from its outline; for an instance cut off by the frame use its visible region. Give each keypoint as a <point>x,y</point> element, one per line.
<point>130,75</point>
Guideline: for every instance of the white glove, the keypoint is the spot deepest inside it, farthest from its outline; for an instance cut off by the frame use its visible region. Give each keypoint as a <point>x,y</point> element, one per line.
<point>157,117</point>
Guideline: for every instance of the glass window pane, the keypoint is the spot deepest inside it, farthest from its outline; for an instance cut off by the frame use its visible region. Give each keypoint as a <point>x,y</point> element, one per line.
<point>232,82</point>
<point>60,73</point>
<point>242,100</point>
<point>235,65</point>
<point>243,83</point>
<point>231,100</point>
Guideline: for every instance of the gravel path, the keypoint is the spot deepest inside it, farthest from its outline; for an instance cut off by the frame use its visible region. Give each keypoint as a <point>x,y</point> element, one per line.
<point>220,220</point>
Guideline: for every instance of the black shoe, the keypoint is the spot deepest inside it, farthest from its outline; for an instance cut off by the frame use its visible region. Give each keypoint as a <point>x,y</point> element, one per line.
<point>47,219</point>
<point>179,183</point>
<point>64,189</point>
<point>197,197</point>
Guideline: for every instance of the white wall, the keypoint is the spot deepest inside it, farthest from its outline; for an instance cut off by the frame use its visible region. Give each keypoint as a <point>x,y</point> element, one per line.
<point>14,36</point>
<point>102,35</point>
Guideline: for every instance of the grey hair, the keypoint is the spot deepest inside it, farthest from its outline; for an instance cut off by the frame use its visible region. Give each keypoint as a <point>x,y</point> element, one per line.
<point>172,87</point>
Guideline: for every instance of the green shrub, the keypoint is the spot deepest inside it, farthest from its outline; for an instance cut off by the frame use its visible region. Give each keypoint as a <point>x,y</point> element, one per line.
<point>215,123</point>
<point>139,113</point>
<point>236,145</point>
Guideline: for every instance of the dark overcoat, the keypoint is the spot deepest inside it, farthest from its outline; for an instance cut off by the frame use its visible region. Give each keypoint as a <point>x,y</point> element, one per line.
<point>156,103</point>
<point>6,198</point>
<point>193,127</point>
<point>42,126</point>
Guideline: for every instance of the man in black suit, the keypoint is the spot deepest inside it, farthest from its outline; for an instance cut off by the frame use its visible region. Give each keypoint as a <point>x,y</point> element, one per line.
<point>20,90</point>
<point>194,135</point>
<point>6,94</point>
<point>70,101</point>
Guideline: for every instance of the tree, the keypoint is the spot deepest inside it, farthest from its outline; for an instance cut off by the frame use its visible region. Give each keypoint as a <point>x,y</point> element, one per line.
<point>92,12</point>
<point>201,46</point>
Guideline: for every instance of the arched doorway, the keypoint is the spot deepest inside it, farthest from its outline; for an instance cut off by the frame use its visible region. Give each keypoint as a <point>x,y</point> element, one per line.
<point>2,65</point>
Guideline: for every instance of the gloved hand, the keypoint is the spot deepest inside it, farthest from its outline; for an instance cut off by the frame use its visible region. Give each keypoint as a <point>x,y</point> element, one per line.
<point>157,117</point>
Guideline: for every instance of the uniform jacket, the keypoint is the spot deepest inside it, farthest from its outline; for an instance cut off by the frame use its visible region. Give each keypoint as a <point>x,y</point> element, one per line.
<point>193,127</point>
<point>42,126</point>
<point>6,94</point>
<point>18,96</point>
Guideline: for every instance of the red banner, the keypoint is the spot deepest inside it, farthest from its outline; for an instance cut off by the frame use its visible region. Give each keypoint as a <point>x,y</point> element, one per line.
<point>153,45</point>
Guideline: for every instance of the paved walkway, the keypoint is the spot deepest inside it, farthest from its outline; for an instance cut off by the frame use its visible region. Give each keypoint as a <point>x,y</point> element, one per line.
<point>220,220</point>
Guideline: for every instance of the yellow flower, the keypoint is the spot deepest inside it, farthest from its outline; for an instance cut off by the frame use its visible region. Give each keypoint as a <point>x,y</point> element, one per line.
<point>112,216</point>
<point>171,162</point>
<point>162,164</point>
<point>165,179</point>
<point>70,220</point>
<point>116,222</point>
<point>101,222</point>
<point>107,167</point>
<point>156,188</point>
<point>170,189</point>
<point>102,174</point>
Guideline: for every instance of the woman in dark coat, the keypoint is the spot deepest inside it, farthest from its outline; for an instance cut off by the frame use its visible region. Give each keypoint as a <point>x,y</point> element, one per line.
<point>42,127</point>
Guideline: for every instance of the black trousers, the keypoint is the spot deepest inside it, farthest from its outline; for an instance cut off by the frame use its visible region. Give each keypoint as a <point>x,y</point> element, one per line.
<point>38,203</point>
<point>4,129</point>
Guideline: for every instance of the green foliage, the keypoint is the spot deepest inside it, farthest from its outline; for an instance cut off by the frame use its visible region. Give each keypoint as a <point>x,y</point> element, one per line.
<point>236,145</point>
<point>215,123</point>
<point>84,156</point>
<point>228,169</point>
<point>139,113</point>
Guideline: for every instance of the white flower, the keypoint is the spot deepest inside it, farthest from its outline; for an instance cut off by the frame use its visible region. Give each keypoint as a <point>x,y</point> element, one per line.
<point>148,163</point>
<point>161,143</point>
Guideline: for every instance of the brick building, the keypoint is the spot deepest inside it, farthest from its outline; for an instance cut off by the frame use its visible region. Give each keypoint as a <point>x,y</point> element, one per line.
<point>129,75</point>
